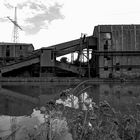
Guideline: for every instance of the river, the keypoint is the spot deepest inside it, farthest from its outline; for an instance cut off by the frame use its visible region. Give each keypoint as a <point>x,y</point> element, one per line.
<point>19,100</point>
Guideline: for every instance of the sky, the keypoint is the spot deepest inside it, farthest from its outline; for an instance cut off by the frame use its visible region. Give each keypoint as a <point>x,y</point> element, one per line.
<point>48,22</point>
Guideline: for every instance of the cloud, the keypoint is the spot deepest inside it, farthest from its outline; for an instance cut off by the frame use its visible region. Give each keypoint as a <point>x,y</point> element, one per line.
<point>8,5</point>
<point>36,5</point>
<point>37,14</point>
<point>45,15</point>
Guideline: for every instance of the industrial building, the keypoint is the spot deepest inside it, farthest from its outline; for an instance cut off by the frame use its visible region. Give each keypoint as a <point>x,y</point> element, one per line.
<point>113,51</point>
<point>118,50</point>
<point>12,51</point>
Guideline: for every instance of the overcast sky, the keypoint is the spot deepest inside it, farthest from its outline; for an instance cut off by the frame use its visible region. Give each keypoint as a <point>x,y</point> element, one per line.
<point>49,22</point>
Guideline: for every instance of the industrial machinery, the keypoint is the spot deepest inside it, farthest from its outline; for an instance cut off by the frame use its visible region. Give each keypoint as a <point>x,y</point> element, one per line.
<point>112,51</point>
<point>44,62</point>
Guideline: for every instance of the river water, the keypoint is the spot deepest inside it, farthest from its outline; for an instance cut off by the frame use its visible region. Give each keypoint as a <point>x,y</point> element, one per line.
<point>19,100</point>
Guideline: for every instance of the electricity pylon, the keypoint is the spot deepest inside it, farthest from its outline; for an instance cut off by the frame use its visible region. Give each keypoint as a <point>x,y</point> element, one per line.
<point>15,36</point>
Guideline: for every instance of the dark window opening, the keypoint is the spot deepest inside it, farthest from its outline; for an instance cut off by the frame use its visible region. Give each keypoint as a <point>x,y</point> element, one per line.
<point>21,55</point>
<point>110,75</point>
<point>7,51</point>
<point>52,55</point>
<point>130,92</point>
<point>117,66</point>
<point>105,68</point>
<point>129,69</point>
<point>105,47</point>
<point>107,57</point>
<point>20,47</point>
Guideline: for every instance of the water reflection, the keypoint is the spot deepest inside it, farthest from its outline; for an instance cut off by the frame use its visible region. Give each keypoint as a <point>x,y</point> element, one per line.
<point>14,106</point>
<point>20,100</point>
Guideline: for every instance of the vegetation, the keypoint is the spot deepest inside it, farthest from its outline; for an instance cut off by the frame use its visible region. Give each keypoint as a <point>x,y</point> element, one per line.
<point>97,122</point>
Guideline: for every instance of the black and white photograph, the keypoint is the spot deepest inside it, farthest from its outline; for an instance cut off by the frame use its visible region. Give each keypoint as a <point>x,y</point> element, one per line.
<point>69,70</point>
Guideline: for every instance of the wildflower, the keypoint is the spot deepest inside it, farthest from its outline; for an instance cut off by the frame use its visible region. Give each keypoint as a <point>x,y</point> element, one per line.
<point>43,109</point>
<point>50,105</point>
<point>63,95</point>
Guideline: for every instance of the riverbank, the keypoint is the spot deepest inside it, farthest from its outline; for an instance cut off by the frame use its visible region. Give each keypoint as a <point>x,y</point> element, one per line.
<point>67,80</point>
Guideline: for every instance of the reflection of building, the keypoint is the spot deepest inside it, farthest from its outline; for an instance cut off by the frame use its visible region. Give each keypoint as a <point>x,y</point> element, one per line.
<point>112,51</point>
<point>15,104</point>
<point>122,97</point>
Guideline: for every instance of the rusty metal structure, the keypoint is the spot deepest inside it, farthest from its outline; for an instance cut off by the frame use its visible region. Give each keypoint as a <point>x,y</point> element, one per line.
<point>112,51</point>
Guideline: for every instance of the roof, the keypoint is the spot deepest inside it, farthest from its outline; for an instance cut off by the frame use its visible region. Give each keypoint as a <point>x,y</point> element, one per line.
<point>11,43</point>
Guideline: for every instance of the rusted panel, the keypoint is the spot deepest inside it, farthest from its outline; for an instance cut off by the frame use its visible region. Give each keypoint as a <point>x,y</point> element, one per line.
<point>15,49</point>
<point>117,40</point>
<point>47,58</point>
<point>126,38</point>
<point>92,41</point>
<point>65,45</point>
<point>14,66</point>
<point>102,42</point>
<point>123,60</point>
<point>135,60</point>
<point>138,39</point>
<point>132,38</point>
<point>123,36</point>
<point>101,61</point>
<point>1,54</point>
<point>69,67</point>
<point>105,28</point>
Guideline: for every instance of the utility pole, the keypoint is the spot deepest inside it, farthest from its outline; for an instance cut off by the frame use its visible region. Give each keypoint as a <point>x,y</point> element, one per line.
<point>15,30</point>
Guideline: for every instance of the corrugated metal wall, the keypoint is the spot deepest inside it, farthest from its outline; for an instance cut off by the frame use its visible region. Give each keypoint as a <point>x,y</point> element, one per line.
<point>123,38</point>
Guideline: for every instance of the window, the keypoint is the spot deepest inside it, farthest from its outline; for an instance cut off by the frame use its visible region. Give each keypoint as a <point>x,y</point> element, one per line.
<point>107,57</point>
<point>130,92</point>
<point>129,69</point>
<point>106,45</point>
<point>52,55</point>
<point>105,68</point>
<point>7,51</point>
<point>117,66</point>
<point>107,35</point>
<point>20,47</point>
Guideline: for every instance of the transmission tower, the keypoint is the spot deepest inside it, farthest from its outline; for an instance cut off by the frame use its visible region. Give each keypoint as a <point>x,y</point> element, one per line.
<point>15,37</point>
